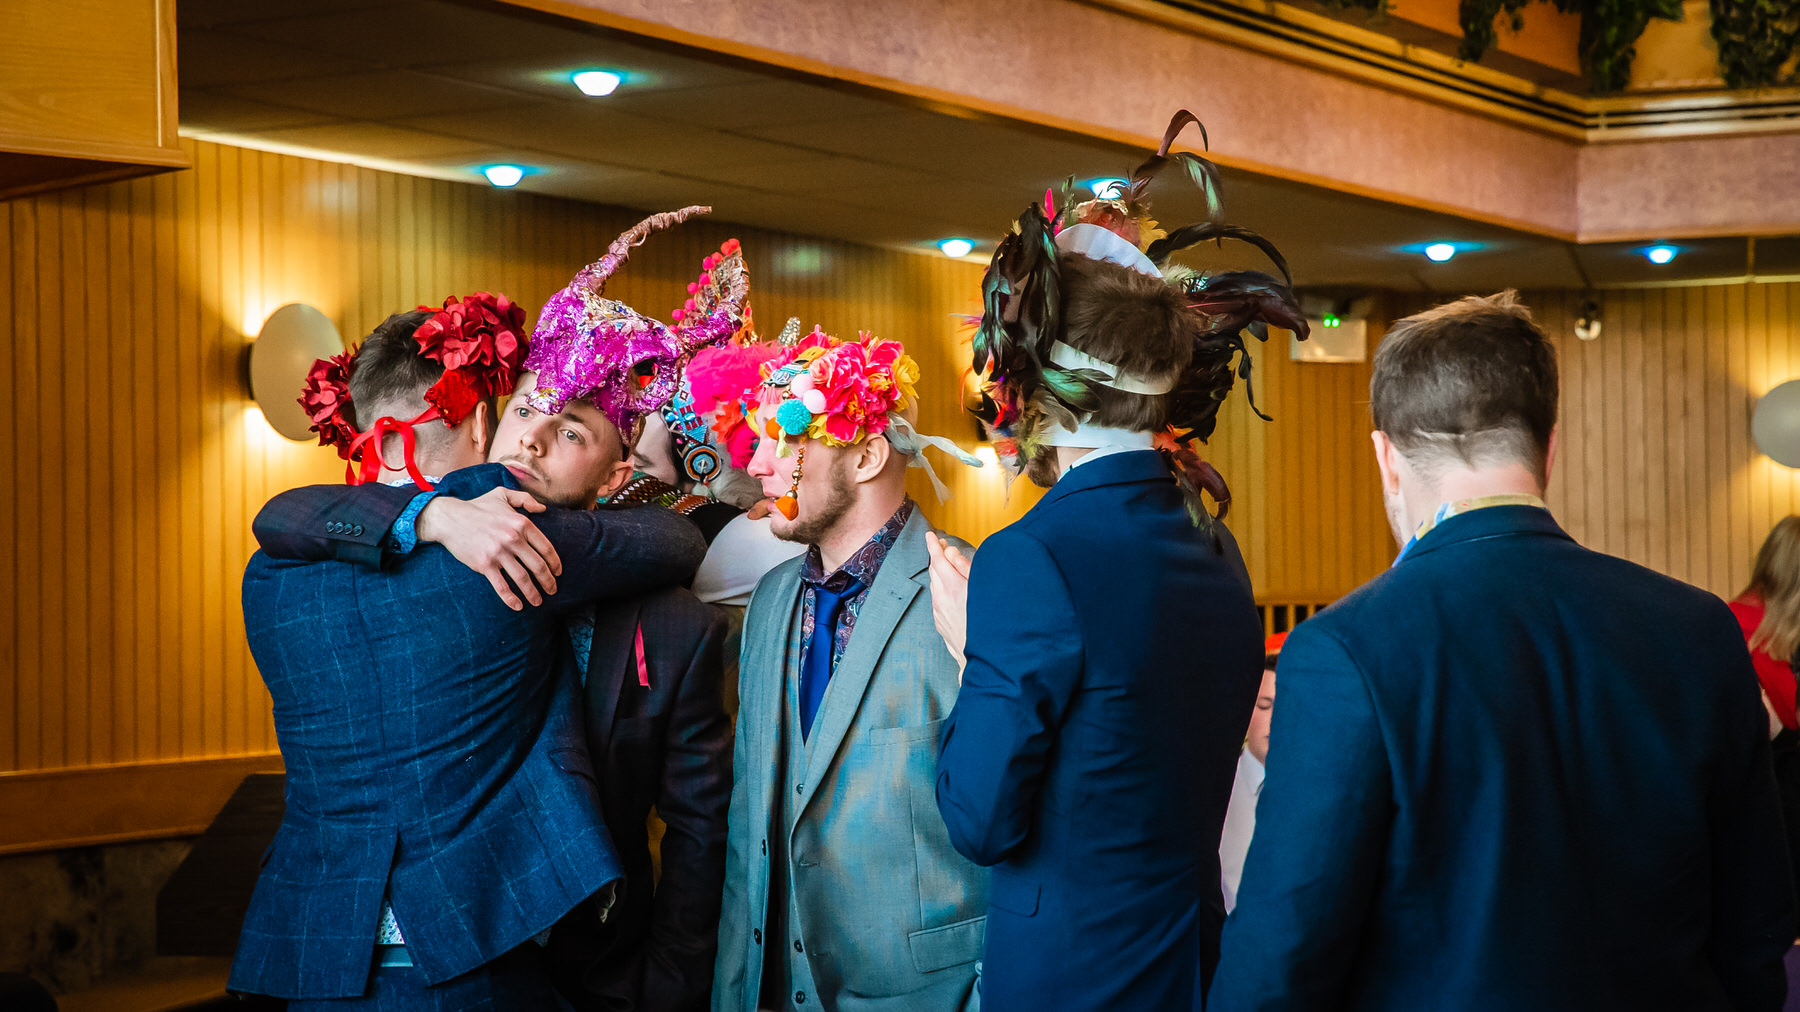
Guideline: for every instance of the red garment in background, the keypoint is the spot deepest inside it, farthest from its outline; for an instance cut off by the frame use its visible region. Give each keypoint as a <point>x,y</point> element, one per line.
<point>1775,673</point>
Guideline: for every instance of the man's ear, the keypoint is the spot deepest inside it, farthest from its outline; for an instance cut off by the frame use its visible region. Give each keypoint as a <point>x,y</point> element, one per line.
<point>872,459</point>
<point>620,473</point>
<point>481,432</point>
<point>1387,461</point>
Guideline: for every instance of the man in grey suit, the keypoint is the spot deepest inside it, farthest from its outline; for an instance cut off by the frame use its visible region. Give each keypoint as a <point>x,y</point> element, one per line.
<point>842,889</point>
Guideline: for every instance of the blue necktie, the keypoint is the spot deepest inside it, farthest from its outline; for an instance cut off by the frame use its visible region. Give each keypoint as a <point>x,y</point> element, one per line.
<point>815,663</point>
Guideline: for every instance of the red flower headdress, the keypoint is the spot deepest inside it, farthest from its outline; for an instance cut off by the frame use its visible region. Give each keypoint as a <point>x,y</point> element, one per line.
<point>481,342</point>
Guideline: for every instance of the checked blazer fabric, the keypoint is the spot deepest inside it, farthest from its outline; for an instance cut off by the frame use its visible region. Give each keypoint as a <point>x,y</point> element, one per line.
<point>432,739</point>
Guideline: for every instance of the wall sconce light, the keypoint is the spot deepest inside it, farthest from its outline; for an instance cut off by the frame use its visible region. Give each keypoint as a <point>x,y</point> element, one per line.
<point>1587,323</point>
<point>1776,424</point>
<point>292,338</point>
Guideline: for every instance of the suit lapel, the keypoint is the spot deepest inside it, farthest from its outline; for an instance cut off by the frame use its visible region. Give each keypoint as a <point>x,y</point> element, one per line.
<point>903,574</point>
<point>606,684</point>
<point>772,693</point>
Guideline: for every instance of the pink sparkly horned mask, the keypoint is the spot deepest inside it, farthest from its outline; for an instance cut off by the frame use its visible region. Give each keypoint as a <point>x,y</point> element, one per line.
<point>590,347</point>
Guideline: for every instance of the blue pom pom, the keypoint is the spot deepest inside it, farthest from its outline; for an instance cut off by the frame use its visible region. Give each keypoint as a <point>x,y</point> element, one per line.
<point>793,418</point>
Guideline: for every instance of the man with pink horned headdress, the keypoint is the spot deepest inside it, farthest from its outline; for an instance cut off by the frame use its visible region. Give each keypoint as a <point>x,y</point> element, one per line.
<point>649,666</point>
<point>842,890</point>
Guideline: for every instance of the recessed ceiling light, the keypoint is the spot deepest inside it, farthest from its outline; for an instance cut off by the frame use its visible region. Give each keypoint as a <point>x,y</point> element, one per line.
<point>597,82</point>
<point>956,247</point>
<point>1438,252</point>
<point>1660,254</point>
<point>503,175</point>
<point>1109,188</point>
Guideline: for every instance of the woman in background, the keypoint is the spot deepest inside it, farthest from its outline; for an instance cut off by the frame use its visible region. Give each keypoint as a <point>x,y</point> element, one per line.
<point>1769,612</point>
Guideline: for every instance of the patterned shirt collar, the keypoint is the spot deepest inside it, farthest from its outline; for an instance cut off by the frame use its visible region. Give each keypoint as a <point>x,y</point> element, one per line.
<point>867,560</point>
<point>1457,507</point>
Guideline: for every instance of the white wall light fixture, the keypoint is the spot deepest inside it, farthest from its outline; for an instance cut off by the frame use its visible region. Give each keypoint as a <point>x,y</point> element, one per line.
<point>291,340</point>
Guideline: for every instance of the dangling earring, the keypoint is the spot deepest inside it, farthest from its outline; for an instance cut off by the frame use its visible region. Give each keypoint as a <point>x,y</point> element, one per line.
<point>789,504</point>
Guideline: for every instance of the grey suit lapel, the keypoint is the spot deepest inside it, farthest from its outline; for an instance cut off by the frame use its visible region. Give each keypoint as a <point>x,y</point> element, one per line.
<point>771,705</point>
<point>903,574</point>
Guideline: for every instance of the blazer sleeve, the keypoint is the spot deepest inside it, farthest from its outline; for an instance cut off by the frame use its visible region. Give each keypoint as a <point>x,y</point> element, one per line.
<point>319,523</point>
<point>693,799</point>
<point>610,554</point>
<point>1753,891</point>
<point>1322,827</point>
<point>1023,668</point>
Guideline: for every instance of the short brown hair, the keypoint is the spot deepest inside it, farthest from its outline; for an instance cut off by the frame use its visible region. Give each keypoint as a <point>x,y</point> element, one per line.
<point>391,377</point>
<point>1471,382</point>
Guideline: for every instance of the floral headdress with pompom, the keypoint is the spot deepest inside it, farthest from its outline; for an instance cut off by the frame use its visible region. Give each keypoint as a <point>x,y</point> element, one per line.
<point>842,393</point>
<point>590,347</point>
<point>480,341</point>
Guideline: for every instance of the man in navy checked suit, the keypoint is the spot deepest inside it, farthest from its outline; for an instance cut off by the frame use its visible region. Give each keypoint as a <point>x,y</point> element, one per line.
<point>1509,773</point>
<point>431,730</point>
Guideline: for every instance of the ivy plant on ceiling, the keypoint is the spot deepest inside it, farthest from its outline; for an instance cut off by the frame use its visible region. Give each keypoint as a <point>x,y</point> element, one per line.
<point>1609,32</point>
<point>1758,40</point>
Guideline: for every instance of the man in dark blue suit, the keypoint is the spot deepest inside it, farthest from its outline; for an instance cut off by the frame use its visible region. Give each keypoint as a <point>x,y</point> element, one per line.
<point>441,808</point>
<point>1113,646</point>
<point>1509,773</point>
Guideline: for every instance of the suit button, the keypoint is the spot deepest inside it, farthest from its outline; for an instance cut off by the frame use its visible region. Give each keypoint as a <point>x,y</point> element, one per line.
<point>797,947</point>
<point>765,848</point>
<point>331,528</point>
<point>757,935</point>
<point>799,788</point>
<point>357,530</point>
<point>799,997</point>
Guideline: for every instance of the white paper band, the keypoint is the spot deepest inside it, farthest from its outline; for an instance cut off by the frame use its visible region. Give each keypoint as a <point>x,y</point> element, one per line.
<point>1070,357</point>
<point>1097,242</point>
<point>1093,437</point>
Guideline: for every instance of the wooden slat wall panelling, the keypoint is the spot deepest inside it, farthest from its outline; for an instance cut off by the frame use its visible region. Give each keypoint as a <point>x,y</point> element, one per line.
<point>168,472</point>
<point>234,523</point>
<point>9,535</point>
<point>211,465</point>
<point>1656,457</point>
<point>48,561</point>
<point>114,580</point>
<point>28,601</point>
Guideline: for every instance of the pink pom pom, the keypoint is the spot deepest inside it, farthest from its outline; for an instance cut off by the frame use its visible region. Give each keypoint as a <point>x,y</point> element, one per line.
<point>731,246</point>
<point>693,286</point>
<point>706,279</point>
<point>688,306</point>
<point>677,315</point>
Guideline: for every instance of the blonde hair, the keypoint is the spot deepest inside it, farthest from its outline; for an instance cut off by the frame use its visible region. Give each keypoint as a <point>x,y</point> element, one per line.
<point>1776,579</point>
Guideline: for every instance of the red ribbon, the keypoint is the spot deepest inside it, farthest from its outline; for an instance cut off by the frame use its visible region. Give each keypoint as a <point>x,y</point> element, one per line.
<point>370,445</point>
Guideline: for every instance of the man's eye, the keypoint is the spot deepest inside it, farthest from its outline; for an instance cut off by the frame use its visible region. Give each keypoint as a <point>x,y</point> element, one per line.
<point>571,436</point>
<point>522,412</point>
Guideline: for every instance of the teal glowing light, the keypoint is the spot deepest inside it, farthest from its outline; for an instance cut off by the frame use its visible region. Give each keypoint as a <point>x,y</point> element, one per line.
<point>597,83</point>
